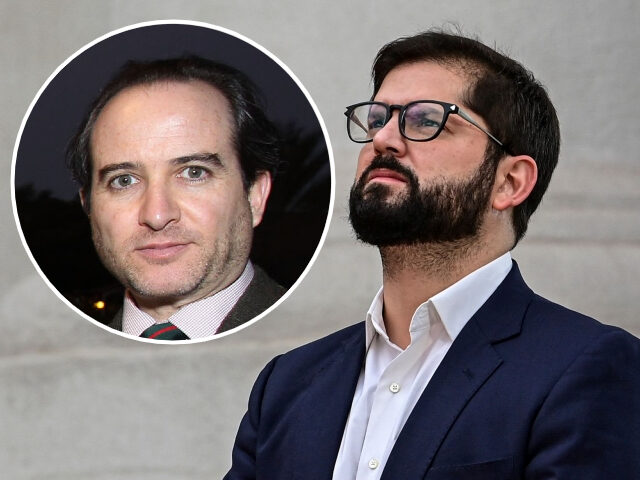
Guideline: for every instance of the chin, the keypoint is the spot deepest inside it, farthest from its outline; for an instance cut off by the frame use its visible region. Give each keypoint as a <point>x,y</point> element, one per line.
<point>166,285</point>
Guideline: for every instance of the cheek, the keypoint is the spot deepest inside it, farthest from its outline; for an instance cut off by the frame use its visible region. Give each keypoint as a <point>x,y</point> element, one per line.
<point>364,159</point>
<point>213,214</point>
<point>430,160</point>
<point>111,224</point>
<point>467,157</point>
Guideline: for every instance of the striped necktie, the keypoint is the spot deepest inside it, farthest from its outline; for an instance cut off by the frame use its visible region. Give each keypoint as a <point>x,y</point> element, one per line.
<point>164,331</point>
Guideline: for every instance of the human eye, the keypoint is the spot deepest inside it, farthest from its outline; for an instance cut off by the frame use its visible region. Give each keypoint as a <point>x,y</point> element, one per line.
<point>121,182</point>
<point>423,119</point>
<point>375,122</point>
<point>377,117</point>
<point>420,121</point>
<point>194,173</point>
<point>427,121</point>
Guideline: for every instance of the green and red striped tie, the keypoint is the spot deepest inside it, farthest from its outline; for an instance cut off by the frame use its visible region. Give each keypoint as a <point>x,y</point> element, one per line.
<point>164,331</point>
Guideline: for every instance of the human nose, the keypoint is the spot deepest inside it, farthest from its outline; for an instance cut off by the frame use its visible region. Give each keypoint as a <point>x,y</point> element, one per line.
<point>158,207</point>
<point>388,139</point>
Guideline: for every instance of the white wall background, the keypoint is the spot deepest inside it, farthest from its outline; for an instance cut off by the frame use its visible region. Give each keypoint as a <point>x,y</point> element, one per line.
<point>79,403</point>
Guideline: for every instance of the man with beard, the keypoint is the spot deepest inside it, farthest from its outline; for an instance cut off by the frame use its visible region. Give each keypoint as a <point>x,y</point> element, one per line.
<point>174,162</point>
<point>459,370</point>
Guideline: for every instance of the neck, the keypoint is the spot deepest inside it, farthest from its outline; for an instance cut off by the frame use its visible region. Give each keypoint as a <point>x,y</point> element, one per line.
<point>160,311</point>
<point>412,274</point>
<point>161,307</point>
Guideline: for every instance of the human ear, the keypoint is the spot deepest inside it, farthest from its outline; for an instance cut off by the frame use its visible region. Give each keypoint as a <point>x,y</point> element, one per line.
<point>258,194</point>
<point>84,200</point>
<point>515,178</point>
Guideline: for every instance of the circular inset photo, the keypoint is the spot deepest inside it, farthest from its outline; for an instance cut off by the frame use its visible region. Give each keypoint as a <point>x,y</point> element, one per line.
<point>172,181</point>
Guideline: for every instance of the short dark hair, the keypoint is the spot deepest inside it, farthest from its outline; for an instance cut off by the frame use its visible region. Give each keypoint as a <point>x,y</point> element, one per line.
<point>505,94</point>
<point>255,138</point>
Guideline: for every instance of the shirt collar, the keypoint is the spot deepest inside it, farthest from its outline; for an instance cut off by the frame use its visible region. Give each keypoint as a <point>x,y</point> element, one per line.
<point>198,319</point>
<point>453,306</point>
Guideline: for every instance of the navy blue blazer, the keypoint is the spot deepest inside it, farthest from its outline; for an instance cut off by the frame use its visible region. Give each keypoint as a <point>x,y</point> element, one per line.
<point>528,390</point>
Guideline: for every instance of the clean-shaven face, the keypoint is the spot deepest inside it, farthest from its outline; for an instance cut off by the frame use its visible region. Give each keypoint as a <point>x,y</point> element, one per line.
<point>169,214</point>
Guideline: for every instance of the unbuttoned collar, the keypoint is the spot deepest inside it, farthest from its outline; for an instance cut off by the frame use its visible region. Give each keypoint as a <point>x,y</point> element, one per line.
<point>453,306</point>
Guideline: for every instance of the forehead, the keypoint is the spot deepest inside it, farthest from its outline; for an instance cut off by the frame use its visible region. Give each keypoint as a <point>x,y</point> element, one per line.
<point>166,119</point>
<point>423,80</point>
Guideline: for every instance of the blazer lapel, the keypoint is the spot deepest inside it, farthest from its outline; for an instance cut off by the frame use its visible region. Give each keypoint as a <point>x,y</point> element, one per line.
<point>323,411</point>
<point>470,361</point>
<point>116,321</point>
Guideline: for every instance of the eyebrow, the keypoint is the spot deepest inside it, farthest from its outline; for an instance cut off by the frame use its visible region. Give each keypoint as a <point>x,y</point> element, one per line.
<point>212,159</point>
<point>114,167</point>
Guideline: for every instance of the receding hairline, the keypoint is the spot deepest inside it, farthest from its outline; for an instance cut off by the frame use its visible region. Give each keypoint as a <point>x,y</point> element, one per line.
<point>165,82</point>
<point>160,83</point>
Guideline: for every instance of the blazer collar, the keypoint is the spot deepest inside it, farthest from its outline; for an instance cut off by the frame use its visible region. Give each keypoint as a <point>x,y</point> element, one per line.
<point>470,361</point>
<point>502,314</point>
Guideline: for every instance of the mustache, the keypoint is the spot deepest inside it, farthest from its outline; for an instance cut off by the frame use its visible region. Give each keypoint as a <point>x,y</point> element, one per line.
<point>390,163</point>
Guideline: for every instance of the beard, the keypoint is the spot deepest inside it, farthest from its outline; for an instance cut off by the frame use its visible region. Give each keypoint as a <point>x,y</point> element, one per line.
<point>439,212</point>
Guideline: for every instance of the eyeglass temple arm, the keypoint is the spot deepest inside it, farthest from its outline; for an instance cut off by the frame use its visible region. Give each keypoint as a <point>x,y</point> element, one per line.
<point>354,119</point>
<point>475,124</point>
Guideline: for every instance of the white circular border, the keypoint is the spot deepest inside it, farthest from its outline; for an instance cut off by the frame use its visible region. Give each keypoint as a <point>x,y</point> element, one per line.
<point>253,44</point>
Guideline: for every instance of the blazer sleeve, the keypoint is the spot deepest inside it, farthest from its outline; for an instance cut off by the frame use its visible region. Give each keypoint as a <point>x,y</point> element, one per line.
<point>243,456</point>
<point>589,425</point>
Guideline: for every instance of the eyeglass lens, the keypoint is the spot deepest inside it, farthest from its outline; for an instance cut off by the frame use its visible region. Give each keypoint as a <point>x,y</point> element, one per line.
<point>421,121</point>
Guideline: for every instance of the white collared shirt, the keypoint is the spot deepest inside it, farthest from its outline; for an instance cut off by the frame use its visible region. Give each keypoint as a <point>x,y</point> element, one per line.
<point>199,319</point>
<point>393,379</point>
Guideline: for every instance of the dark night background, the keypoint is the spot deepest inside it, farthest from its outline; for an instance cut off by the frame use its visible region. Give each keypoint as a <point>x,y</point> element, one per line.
<point>55,227</point>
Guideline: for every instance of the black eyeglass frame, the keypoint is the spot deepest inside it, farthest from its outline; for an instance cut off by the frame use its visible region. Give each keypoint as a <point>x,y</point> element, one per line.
<point>449,108</point>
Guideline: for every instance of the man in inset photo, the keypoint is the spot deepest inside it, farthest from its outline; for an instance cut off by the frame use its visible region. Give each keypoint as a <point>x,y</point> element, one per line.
<point>175,164</point>
<point>183,189</point>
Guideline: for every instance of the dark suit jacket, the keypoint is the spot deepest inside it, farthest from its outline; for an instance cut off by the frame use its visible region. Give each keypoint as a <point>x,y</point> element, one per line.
<point>528,390</point>
<point>261,293</point>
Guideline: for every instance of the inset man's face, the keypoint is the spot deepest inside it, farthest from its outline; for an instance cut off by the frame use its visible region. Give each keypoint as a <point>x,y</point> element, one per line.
<point>169,213</point>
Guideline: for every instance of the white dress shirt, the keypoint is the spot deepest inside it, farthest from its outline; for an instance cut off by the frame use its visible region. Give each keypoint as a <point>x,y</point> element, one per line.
<point>393,379</point>
<point>199,319</point>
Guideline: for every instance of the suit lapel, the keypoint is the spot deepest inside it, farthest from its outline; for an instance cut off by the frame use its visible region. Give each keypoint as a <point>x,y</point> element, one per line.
<point>261,293</point>
<point>323,411</point>
<point>470,361</point>
<point>467,365</point>
<point>116,321</point>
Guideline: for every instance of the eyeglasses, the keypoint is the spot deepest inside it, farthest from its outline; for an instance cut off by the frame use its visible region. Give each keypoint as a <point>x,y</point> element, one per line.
<point>419,121</point>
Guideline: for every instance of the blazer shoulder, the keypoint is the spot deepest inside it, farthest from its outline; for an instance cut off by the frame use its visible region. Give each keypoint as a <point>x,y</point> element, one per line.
<point>553,337</point>
<point>326,346</point>
<point>597,384</point>
<point>319,354</point>
<point>543,321</point>
<point>562,322</point>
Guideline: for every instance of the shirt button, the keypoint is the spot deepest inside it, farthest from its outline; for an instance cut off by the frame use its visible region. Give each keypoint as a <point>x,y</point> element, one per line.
<point>394,387</point>
<point>373,464</point>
